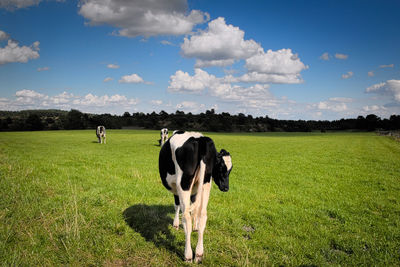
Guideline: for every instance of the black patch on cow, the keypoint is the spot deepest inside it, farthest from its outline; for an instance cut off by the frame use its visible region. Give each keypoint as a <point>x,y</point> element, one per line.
<point>208,155</point>
<point>189,155</point>
<point>176,198</point>
<point>179,132</point>
<point>187,158</point>
<point>165,163</point>
<point>193,198</point>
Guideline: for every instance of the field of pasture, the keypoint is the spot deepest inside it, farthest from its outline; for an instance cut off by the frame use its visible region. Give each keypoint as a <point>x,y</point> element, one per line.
<point>294,199</point>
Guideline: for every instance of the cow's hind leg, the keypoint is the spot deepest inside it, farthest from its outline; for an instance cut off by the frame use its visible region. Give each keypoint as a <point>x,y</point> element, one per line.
<point>177,209</point>
<point>202,222</point>
<point>184,199</point>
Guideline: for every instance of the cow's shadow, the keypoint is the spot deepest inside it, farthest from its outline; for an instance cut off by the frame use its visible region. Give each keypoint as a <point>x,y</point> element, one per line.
<point>153,222</point>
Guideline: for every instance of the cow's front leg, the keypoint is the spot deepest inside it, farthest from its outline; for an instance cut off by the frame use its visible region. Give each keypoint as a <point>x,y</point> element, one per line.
<point>177,208</point>
<point>202,221</point>
<point>184,198</point>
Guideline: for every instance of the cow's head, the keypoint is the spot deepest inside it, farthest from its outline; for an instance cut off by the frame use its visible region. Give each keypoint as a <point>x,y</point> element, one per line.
<point>222,169</point>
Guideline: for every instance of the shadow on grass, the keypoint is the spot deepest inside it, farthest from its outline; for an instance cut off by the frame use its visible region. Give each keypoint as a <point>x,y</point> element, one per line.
<point>151,222</point>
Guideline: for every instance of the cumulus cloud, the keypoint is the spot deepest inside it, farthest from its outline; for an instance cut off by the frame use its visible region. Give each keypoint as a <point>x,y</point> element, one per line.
<point>386,66</point>
<point>324,56</point>
<point>279,62</point>
<point>113,66</point>
<point>341,56</point>
<point>12,52</point>
<point>133,78</point>
<point>30,99</point>
<point>347,75</point>
<point>4,36</point>
<point>143,18</point>
<point>183,82</point>
<point>108,79</point>
<point>15,4</point>
<point>219,45</point>
<point>371,74</point>
<point>390,88</point>
<point>43,69</point>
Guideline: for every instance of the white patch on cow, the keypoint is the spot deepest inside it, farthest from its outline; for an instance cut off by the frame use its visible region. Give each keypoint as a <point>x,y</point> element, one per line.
<point>171,181</point>
<point>228,162</point>
<point>177,140</point>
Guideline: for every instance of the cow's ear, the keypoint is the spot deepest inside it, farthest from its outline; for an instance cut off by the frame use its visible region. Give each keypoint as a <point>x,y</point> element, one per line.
<point>223,152</point>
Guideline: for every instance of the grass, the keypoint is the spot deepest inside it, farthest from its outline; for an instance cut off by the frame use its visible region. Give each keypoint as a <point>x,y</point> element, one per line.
<point>294,199</point>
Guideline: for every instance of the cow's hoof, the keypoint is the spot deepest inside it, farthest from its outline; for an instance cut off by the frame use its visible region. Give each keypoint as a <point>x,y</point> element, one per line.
<point>188,260</point>
<point>198,259</point>
<point>176,226</point>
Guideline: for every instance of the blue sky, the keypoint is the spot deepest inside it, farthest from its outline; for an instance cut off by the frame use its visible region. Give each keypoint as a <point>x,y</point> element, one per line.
<point>285,59</point>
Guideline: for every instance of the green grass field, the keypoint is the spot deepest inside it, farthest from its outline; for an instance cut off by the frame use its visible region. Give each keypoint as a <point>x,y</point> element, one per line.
<point>294,199</point>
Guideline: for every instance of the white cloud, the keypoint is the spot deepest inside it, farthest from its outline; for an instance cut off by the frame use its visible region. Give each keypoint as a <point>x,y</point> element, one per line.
<point>183,82</point>
<point>43,69</point>
<point>113,66</point>
<point>281,62</point>
<point>190,105</point>
<point>165,42</point>
<point>14,53</point>
<point>255,77</point>
<point>15,4</point>
<point>373,108</point>
<point>29,94</point>
<point>347,75</point>
<point>333,106</point>
<point>105,100</point>
<point>386,66</point>
<point>29,99</point>
<point>4,36</point>
<point>341,56</point>
<point>390,88</point>
<point>108,79</point>
<point>341,99</point>
<point>324,56</point>
<point>133,78</point>
<point>156,102</point>
<point>371,74</point>
<point>143,18</point>
<point>252,96</point>
<point>219,45</point>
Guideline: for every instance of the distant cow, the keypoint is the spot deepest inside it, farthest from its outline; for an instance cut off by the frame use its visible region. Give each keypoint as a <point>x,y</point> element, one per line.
<point>164,135</point>
<point>101,134</point>
<point>187,163</point>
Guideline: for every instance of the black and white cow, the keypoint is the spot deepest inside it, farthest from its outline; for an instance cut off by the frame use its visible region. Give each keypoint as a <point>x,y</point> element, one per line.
<point>187,163</point>
<point>101,134</point>
<point>164,135</point>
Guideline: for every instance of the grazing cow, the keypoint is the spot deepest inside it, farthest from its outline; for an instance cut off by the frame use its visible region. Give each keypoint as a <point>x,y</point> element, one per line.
<point>101,134</point>
<point>164,135</point>
<point>187,163</point>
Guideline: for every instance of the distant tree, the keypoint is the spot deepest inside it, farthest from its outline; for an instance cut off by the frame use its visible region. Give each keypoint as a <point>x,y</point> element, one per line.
<point>74,120</point>
<point>34,123</point>
<point>126,114</point>
<point>394,122</point>
<point>372,122</point>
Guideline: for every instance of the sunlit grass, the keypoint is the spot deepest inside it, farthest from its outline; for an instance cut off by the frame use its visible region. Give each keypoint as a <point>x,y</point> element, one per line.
<point>294,199</point>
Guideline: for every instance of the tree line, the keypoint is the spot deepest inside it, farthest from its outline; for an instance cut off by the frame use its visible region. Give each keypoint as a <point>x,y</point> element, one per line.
<point>36,120</point>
